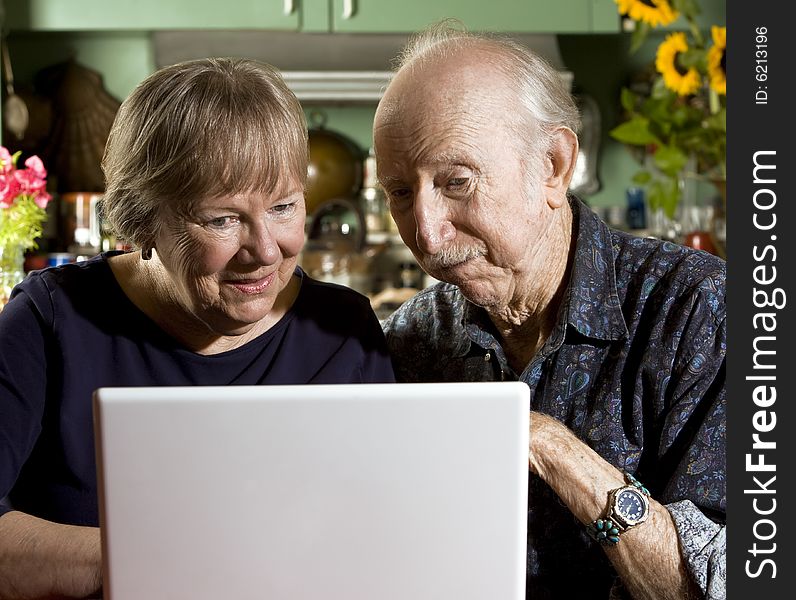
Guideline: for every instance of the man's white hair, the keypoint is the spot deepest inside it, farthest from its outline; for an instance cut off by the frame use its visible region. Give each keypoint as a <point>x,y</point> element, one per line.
<point>539,87</point>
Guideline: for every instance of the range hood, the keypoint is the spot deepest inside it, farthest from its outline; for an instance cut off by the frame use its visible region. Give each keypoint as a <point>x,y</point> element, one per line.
<point>318,67</point>
<point>337,86</point>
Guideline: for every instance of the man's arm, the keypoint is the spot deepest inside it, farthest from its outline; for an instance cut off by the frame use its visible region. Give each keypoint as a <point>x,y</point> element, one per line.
<point>41,559</point>
<point>648,557</point>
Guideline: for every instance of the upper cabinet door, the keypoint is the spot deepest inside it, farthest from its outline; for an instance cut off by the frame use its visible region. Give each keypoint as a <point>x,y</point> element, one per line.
<point>85,15</point>
<point>527,16</point>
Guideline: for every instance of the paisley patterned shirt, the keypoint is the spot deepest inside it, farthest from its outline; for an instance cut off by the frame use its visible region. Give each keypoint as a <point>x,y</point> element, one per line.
<point>635,366</point>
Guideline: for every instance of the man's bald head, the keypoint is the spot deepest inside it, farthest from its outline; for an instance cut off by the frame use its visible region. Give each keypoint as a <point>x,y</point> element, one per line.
<point>532,90</point>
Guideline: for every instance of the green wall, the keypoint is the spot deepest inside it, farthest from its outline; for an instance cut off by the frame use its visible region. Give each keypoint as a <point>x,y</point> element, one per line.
<point>122,57</point>
<point>600,62</point>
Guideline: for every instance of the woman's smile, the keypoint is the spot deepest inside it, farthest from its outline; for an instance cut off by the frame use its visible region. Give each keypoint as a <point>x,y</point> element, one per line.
<point>251,286</point>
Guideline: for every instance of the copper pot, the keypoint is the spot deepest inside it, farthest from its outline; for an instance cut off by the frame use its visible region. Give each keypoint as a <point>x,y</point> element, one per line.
<point>335,167</point>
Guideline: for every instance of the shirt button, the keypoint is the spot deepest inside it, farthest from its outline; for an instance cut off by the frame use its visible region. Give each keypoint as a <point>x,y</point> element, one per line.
<point>487,357</point>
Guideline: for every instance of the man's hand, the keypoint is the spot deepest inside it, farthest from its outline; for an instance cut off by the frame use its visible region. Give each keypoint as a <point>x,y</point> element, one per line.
<point>647,557</point>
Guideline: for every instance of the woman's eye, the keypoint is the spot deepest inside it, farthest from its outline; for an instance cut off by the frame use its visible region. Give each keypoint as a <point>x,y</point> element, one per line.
<point>457,182</point>
<point>283,209</point>
<point>219,222</point>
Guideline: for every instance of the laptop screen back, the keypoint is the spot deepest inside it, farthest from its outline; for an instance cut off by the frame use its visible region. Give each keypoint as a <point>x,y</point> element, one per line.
<point>373,491</point>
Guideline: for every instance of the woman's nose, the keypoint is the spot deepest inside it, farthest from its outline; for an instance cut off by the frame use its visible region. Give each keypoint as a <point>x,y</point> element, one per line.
<point>259,246</point>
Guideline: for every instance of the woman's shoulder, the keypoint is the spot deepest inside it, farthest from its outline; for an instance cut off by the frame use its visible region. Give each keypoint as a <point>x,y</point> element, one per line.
<point>328,297</point>
<point>81,285</point>
<point>66,277</point>
<point>329,309</point>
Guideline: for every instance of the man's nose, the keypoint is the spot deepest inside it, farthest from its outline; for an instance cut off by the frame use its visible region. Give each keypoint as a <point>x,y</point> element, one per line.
<point>434,228</point>
<point>258,246</point>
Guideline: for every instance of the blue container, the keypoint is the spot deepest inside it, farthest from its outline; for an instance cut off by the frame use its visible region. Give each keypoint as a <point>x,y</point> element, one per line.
<point>636,208</point>
<point>59,258</point>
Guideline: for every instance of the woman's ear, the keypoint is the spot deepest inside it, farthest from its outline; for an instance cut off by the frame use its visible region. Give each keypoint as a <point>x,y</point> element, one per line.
<point>561,158</point>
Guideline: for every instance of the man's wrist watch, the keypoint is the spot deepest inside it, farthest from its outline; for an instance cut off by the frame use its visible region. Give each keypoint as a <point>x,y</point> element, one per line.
<point>628,506</point>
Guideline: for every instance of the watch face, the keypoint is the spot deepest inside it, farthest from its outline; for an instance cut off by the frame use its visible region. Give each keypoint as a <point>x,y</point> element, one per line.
<point>631,506</point>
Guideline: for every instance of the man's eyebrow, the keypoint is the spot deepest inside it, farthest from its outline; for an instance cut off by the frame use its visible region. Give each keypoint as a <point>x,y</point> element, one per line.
<point>448,158</point>
<point>387,178</point>
<point>438,159</point>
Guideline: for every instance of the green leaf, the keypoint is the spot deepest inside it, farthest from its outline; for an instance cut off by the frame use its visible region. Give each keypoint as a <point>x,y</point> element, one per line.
<point>660,91</point>
<point>636,131</point>
<point>670,160</point>
<point>642,177</point>
<point>695,58</point>
<point>21,223</point>
<point>659,111</point>
<point>689,8</point>
<point>640,34</point>
<point>628,100</point>
<point>680,116</point>
<point>670,198</point>
<point>655,194</point>
<point>718,121</point>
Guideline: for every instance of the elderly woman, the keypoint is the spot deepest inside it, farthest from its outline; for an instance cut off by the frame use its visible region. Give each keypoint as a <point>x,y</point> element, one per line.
<point>205,168</point>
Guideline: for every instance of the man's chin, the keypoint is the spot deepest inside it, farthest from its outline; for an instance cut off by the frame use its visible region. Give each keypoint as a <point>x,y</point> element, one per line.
<point>474,286</point>
<point>446,274</point>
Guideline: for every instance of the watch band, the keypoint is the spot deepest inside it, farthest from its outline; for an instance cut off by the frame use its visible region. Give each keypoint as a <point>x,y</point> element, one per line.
<point>609,527</point>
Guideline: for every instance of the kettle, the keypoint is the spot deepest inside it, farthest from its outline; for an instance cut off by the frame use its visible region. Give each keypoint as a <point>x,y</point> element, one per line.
<point>335,165</point>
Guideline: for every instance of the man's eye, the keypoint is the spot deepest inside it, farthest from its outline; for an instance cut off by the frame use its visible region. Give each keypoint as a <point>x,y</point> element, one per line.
<point>458,182</point>
<point>399,193</point>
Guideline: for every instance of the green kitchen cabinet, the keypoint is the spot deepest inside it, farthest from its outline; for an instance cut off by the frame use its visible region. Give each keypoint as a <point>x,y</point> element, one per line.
<point>527,16</point>
<point>88,15</point>
<point>344,16</point>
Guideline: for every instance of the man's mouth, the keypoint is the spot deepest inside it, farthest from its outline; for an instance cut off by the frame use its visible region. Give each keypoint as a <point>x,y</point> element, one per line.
<point>450,260</point>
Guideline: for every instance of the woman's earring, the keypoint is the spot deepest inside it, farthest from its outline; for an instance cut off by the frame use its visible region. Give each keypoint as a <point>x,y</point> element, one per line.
<point>146,253</point>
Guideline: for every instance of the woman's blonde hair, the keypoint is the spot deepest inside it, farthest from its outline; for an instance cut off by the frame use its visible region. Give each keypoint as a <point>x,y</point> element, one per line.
<point>200,129</point>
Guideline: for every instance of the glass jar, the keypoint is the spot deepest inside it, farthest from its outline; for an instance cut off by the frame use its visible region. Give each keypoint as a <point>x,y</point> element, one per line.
<point>12,260</point>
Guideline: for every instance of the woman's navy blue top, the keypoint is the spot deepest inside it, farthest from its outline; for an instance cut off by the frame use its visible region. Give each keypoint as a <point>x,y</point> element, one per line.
<point>71,329</point>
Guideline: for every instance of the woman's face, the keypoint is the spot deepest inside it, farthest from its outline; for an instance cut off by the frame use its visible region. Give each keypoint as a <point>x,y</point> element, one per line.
<point>230,258</point>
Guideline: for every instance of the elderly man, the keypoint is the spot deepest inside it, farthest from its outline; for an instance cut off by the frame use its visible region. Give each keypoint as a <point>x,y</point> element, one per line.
<point>620,339</point>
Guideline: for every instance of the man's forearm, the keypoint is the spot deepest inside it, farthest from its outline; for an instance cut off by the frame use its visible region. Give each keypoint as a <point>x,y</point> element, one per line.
<point>647,558</point>
<point>41,559</point>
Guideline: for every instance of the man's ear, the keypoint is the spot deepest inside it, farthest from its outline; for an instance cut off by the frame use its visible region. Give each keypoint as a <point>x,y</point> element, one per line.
<point>561,159</point>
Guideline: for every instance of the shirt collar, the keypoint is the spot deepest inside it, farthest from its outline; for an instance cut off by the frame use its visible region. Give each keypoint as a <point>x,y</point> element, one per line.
<point>592,306</point>
<point>463,335</point>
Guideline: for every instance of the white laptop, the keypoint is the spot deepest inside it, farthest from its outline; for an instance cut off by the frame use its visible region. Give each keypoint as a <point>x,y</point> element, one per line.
<point>341,492</point>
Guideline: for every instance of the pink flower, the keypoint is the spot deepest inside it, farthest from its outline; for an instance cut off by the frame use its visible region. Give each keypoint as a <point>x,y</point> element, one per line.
<point>9,190</point>
<point>41,199</point>
<point>23,198</point>
<point>6,162</point>
<point>29,182</point>
<point>34,164</point>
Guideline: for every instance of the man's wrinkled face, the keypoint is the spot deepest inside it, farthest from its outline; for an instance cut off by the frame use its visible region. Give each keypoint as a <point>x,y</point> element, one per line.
<point>461,186</point>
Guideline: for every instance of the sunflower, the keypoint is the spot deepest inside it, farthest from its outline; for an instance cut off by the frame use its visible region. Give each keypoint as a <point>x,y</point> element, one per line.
<point>717,60</point>
<point>653,12</point>
<point>666,62</point>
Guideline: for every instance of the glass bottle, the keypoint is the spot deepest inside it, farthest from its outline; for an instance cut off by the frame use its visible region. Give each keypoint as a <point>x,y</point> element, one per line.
<point>372,199</point>
<point>12,259</point>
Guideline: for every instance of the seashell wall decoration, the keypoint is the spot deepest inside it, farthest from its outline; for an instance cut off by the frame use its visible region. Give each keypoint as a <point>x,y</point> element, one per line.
<point>83,112</point>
